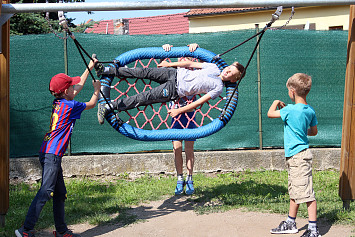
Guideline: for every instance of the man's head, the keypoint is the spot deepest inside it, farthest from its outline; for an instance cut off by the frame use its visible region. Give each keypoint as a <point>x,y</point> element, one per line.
<point>233,73</point>
<point>61,82</point>
<point>300,83</point>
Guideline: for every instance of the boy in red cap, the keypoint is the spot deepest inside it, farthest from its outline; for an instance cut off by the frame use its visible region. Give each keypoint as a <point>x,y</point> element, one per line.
<point>64,114</point>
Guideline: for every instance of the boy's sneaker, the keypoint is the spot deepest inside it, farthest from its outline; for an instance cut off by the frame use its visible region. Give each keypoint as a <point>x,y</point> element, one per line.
<point>102,111</point>
<point>285,228</point>
<point>179,187</point>
<point>21,232</point>
<point>189,187</point>
<point>99,68</point>
<point>310,233</point>
<point>67,233</point>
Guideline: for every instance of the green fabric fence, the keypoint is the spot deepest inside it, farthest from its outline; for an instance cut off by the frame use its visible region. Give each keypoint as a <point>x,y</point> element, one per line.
<point>34,59</point>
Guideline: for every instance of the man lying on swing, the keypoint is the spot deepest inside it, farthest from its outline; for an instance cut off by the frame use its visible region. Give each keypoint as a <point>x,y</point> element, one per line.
<point>175,80</point>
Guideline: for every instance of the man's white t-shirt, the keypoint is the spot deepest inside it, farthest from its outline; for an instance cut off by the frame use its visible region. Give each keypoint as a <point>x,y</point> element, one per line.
<point>202,81</point>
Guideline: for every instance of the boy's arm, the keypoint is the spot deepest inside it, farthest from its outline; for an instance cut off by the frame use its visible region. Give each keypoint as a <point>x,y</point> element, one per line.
<point>274,110</point>
<point>91,104</point>
<point>84,76</point>
<point>186,63</point>
<point>312,131</point>
<point>175,112</point>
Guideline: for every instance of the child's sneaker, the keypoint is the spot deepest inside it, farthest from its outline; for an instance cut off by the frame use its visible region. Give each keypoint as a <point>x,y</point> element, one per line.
<point>67,233</point>
<point>310,233</point>
<point>21,232</point>
<point>285,228</point>
<point>179,187</point>
<point>102,111</point>
<point>99,67</point>
<point>189,187</point>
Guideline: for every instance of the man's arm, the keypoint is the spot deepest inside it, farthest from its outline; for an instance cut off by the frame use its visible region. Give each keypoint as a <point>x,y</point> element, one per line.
<point>274,110</point>
<point>84,76</point>
<point>175,112</point>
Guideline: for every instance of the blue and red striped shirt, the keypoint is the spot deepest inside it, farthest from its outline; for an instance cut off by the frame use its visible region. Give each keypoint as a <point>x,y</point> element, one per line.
<point>64,114</point>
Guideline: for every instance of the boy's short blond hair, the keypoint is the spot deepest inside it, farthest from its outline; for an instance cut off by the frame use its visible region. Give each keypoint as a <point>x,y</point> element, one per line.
<point>301,83</point>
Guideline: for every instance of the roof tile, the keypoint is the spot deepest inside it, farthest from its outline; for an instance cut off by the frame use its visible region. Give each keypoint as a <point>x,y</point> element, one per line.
<point>163,24</point>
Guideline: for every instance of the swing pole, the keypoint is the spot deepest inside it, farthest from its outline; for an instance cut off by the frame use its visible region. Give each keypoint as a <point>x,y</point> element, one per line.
<point>159,5</point>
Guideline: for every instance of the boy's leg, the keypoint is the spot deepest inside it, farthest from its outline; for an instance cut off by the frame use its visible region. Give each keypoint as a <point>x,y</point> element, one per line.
<point>50,166</point>
<point>160,75</point>
<point>312,210</point>
<point>177,147</point>
<point>190,159</point>
<point>312,230</point>
<point>293,209</point>
<point>190,156</point>
<point>60,194</point>
<point>162,93</point>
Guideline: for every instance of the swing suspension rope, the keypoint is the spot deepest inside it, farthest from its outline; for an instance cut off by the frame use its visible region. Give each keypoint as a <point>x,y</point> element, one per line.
<point>225,115</point>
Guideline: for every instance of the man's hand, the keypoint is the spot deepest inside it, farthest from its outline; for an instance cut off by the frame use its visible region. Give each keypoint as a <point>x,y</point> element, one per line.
<point>193,47</point>
<point>164,64</point>
<point>174,112</point>
<point>167,47</point>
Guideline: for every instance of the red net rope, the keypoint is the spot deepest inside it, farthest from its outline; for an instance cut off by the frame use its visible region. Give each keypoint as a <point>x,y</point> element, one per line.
<point>155,116</point>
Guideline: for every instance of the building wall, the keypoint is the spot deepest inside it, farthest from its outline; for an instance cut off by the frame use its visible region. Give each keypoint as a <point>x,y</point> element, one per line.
<point>322,17</point>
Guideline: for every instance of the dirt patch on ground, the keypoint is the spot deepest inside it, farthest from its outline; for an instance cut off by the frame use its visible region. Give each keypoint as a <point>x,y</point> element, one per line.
<point>175,216</point>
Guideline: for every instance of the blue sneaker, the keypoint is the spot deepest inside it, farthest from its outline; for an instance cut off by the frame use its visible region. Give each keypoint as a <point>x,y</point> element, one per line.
<point>189,187</point>
<point>179,187</point>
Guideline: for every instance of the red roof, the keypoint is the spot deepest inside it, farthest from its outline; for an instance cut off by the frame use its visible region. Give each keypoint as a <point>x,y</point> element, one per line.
<point>102,27</point>
<point>159,25</point>
<point>211,11</point>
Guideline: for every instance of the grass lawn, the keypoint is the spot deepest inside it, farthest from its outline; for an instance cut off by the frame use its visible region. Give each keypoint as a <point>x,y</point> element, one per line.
<point>105,201</point>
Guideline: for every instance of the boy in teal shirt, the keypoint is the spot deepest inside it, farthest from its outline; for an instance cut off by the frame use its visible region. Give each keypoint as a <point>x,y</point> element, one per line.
<point>299,121</point>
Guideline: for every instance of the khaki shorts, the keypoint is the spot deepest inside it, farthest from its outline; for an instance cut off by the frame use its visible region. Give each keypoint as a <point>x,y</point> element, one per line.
<point>300,181</point>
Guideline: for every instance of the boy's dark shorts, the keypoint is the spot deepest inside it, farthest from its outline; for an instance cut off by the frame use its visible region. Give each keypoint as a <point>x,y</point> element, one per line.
<point>300,180</point>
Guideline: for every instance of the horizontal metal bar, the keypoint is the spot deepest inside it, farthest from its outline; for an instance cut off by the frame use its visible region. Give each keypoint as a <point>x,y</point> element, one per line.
<point>166,4</point>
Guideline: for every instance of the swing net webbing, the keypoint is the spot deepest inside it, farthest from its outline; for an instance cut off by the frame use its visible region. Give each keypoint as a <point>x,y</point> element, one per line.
<point>155,116</point>
<point>152,122</point>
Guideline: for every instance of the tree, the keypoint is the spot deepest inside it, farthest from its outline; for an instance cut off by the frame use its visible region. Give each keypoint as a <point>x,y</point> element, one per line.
<point>36,23</point>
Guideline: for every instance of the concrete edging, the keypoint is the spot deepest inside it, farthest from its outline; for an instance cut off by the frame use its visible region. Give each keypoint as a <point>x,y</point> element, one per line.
<point>29,169</point>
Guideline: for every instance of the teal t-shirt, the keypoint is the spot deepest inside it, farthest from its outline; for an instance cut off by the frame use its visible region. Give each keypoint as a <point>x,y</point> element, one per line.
<point>297,118</point>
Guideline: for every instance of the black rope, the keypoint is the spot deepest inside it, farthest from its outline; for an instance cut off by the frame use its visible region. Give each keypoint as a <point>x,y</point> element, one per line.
<point>240,44</point>
<point>80,49</point>
<point>261,33</point>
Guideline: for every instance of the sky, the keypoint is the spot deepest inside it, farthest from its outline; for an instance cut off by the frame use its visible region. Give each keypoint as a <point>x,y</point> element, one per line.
<point>82,17</point>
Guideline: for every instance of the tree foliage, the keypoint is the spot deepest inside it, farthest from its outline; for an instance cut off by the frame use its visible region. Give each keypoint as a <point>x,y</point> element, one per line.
<point>36,23</point>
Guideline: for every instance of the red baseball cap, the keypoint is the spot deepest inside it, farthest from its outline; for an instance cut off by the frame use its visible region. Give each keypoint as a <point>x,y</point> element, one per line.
<point>60,82</point>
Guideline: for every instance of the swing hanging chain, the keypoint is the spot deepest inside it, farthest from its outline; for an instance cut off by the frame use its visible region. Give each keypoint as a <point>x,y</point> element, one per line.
<point>289,19</point>
<point>51,27</point>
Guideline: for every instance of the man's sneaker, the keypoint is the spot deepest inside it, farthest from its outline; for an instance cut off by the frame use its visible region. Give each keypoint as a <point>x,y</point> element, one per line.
<point>189,187</point>
<point>102,111</point>
<point>99,68</point>
<point>285,228</point>
<point>310,233</point>
<point>21,232</point>
<point>67,233</point>
<point>179,187</point>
